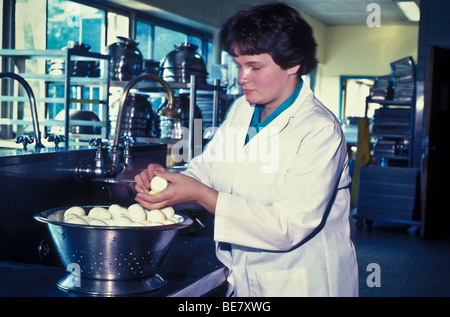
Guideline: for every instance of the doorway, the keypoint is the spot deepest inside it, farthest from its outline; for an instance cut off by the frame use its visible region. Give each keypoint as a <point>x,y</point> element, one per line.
<point>436,168</point>
<point>353,94</point>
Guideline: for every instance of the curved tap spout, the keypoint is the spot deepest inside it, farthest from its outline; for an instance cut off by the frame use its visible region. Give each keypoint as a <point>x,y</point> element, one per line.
<point>30,94</point>
<point>169,111</point>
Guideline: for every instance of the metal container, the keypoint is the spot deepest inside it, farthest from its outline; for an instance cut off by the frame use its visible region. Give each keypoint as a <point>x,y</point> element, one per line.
<point>110,260</point>
<point>126,59</point>
<point>78,68</point>
<point>181,63</point>
<point>139,118</point>
<point>172,127</point>
<point>83,115</point>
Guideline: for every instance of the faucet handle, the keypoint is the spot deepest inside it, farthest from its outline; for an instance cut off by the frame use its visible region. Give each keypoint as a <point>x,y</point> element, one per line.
<point>56,139</point>
<point>127,140</point>
<point>99,142</point>
<point>25,140</point>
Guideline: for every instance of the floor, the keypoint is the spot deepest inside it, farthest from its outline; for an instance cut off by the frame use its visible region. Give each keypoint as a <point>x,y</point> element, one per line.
<point>395,263</point>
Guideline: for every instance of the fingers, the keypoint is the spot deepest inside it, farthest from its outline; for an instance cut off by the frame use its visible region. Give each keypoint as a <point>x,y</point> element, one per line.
<point>143,179</point>
<point>145,203</point>
<point>152,201</point>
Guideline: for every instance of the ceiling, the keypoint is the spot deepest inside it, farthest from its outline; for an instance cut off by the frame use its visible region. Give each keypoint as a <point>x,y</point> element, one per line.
<point>350,12</point>
<point>329,12</point>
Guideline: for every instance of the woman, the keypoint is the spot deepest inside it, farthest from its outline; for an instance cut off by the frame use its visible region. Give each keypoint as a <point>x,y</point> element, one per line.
<point>275,175</point>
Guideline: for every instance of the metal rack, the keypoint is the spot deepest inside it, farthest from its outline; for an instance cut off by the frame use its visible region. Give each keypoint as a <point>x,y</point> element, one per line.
<point>19,58</point>
<point>193,88</point>
<point>392,132</point>
<point>391,190</point>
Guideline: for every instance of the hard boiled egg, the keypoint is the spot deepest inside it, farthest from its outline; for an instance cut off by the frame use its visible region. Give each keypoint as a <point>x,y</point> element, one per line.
<point>158,184</point>
<point>99,213</point>
<point>78,221</point>
<point>155,215</point>
<point>75,210</point>
<point>137,213</point>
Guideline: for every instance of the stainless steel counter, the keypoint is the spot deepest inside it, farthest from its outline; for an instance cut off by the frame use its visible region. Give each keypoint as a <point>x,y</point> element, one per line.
<point>190,269</point>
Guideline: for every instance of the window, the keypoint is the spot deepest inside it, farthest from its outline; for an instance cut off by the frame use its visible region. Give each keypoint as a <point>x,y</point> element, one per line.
<point>164,41</point>
<point>118,25</point>
<point>144,35</point>
<point>51,24</point>
<point>70,21</point>
<point>30,31</point>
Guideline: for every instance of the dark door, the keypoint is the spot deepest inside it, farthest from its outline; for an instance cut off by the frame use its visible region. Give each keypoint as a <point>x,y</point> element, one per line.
<point>436,165</point>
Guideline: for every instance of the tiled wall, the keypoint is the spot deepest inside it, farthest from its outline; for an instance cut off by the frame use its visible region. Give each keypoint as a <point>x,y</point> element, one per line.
<point>434,30</point>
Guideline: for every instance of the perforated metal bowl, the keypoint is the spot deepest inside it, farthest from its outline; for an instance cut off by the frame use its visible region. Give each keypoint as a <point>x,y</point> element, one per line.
<point>110,260</point>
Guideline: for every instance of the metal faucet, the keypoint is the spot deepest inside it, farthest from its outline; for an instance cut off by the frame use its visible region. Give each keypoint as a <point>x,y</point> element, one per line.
<point>113,166</point>
<point>23,139</point>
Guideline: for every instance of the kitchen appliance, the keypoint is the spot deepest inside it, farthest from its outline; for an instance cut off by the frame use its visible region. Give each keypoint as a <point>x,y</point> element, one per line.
<point>181,63</point>
<point>110,260</point>
<point>126,59</point>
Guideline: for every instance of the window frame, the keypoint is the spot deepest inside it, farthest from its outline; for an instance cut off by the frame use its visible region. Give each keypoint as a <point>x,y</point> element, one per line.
<point>133,15</point>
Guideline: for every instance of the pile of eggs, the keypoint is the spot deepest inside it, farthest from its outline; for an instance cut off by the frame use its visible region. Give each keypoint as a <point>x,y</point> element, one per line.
<point>116,215</point>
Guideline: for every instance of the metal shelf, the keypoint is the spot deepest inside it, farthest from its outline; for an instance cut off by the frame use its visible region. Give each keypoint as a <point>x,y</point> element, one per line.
<point>394,105</point>
<point>66,80</point>
<point>193,87</point>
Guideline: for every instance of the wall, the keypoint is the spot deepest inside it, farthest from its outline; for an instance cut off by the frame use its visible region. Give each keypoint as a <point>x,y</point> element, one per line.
<point>361,51</point>
<point>349,50</point>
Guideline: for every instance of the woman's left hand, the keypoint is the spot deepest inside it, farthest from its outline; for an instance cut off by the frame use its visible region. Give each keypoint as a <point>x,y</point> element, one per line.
<point>181,189</point>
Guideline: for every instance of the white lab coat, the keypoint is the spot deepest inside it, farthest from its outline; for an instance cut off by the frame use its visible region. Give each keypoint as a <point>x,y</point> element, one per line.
<point>273,192</point>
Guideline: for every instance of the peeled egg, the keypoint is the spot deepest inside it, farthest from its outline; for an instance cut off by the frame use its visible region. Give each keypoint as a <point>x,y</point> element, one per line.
<point>75,210</point>
<point>122,211</point>
<point>155,215</point>
<point>116,215</point>
<point>99,213</point>
<point>109,222</point>
<point>123,221</point>
<point>97,222</point>
<point>137,224</point>
<point>70,216</point>
<point>137,213</point>
<point>169,212</point>
<point>78,221</point>
<point>113,209</point>
<point>154,224</point>
<point>158,183</point>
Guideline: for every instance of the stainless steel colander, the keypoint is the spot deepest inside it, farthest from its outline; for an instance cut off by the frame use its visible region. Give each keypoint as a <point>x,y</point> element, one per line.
<point>110,260</point>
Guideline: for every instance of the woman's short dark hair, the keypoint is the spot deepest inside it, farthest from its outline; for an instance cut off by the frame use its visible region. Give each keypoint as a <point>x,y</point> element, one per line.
<point>276,29</point>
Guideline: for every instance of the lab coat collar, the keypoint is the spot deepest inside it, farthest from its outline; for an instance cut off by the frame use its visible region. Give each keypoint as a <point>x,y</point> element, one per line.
<point>282,121</point>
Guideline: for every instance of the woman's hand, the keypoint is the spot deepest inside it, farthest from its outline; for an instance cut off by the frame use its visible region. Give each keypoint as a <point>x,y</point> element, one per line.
<point>181,189</point>
<point>143,179</point>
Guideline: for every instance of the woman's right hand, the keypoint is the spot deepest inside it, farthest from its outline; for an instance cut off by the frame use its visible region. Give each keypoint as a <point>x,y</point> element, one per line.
<point>143,179</point>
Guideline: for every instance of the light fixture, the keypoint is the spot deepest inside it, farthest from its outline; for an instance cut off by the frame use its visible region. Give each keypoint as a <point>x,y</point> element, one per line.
<point>410,10</point>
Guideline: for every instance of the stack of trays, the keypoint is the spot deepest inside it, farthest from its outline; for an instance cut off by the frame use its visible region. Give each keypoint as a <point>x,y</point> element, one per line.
<point>403,72</point>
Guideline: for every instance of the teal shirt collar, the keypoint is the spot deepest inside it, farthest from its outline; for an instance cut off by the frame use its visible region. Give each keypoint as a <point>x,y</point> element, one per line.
<point>256,122</point>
